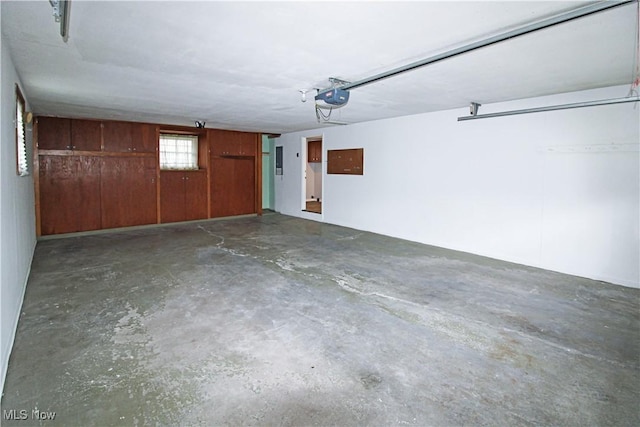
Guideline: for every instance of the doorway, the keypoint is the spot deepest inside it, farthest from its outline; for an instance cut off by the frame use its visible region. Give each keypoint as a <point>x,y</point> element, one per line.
<point>268,171</point>
<point>313,175</point>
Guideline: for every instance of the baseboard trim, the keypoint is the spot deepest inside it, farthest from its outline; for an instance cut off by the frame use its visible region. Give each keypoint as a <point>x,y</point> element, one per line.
<point>14,330</point>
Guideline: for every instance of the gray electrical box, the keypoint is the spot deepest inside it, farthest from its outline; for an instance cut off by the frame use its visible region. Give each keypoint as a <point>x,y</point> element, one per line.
<point>279,160</point>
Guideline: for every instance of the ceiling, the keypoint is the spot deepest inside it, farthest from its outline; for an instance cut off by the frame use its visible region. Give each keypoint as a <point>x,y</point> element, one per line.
<point>240,65</point>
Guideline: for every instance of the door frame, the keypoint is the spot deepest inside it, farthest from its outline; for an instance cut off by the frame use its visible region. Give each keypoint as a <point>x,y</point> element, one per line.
<point>303,165</point>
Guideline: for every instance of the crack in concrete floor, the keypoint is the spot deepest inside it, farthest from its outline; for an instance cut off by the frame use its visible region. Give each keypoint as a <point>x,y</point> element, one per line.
<point>290,322</point>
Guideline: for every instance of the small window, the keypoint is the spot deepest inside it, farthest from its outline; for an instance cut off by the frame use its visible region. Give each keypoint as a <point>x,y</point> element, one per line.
<point>178,151</point>
<point>21,143</point>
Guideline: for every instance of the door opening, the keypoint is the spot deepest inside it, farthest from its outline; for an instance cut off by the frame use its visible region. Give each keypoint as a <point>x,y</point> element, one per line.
<point>313,176</point>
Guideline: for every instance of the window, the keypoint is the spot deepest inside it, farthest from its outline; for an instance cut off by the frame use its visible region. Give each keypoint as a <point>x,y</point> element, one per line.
<point>178,151</point>
<point>21,143</point>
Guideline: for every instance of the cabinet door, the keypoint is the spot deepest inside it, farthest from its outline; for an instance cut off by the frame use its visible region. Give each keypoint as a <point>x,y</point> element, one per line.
<point>54,133</point>
<point>86,135</point>
<point>143,138</point>
<point>232,143</point>
<point>172,198</point>
<point>128,191</point>
<point>243,193</point>
<point>69,194</point>
<point>220,142</point>
<point>310,152</point>
<point>232,187</point>
<point>247,143</point>
<point>117,136</point>
<point>222,179</point>
<point>314,151</point>
<point>195,200</point>
<point>88,191</point>
<point>58,197</point>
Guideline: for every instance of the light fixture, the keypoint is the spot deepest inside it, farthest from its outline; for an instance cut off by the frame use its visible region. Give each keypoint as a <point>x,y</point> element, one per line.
<point>303,98</point>
<point>548,108</point>
<point>200,124</point>
<point>61,15</point>
<point>473,108</point>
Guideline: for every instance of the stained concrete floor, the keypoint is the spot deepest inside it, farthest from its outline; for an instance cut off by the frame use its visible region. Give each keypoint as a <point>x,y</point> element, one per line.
<point>281,321</point>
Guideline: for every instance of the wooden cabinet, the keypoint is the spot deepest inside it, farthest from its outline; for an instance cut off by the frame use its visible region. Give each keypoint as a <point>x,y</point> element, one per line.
<point>346,162</point>
<point>128,137</point>
<point>91,135</point>
<point>94,174</point>
<point>86,135</point>
<point>54,133</point>
<point>183,195</point>
<point>195,195</point>
<point>81,193</point>
<point>69,194</point>
<point>128,187</point>
<point>233,186</point>
<point>232,143</point>
<point>314,151</point>
<point>233,172</point>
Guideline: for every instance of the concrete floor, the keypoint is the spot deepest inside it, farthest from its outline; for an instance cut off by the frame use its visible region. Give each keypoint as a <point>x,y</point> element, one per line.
<point>282,321</point>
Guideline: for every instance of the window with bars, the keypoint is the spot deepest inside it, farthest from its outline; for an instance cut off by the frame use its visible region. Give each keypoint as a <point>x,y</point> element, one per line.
<point>21,143</point>
<point>178,151</point>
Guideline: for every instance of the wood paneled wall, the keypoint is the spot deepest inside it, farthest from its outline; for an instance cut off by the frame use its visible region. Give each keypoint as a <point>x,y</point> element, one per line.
<point>97,174</point>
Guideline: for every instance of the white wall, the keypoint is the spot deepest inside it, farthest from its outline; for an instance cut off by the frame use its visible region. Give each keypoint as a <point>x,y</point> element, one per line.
<point>558,190</point>
<point>314,181</point>
<point>17,214</point>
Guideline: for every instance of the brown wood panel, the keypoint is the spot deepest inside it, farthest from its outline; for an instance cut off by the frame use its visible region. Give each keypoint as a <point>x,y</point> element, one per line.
<point>117,136</point>
<point>346,162</point>
<point>219,142</point>
<point>69,194</point>
<point>203,151</point>
<point>86,135</point>
<point>58,196</point>
<point>195,195</point>
<point>222,172</point>
<point>172,196</point>
<point>258,175</point>
<point>88,190</point>
<point>232,143</point>
<point>128,191</point>
<point>54,133</point>
<point>314,151</point>
<point>143,138</point>
<point>247,142</point>
<point>93,153</point>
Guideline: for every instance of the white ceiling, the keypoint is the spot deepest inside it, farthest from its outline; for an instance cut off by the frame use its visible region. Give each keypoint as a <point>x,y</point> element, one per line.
<point>239,65</point>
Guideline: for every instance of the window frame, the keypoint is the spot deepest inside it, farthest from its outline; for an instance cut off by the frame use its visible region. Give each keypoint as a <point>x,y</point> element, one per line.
<point>21,145</point>
<point>178,134</point>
